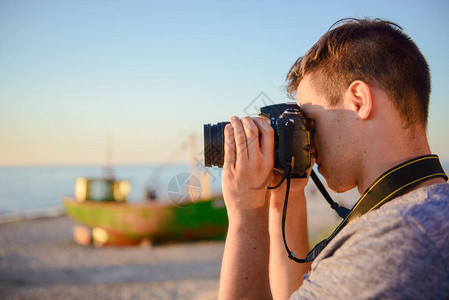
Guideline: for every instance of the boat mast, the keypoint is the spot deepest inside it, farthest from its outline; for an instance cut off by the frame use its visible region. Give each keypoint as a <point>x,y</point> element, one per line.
<point>108,172</point>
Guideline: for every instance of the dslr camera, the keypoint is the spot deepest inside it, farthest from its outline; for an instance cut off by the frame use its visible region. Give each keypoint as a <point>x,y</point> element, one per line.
<point>292,139</point>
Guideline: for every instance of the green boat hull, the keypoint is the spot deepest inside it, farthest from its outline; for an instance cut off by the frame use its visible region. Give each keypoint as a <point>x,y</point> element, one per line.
<point>130,223</point>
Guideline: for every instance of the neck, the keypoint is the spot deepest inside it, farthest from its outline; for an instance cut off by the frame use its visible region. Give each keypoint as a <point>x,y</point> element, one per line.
<point>408,144</point>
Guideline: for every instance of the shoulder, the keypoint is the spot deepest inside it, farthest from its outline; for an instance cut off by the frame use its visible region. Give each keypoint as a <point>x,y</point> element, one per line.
<point>427,210</point>
<point>400,250</point>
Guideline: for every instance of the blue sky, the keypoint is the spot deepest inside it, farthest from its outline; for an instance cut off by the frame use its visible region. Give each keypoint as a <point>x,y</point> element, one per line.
<point>146,74</point>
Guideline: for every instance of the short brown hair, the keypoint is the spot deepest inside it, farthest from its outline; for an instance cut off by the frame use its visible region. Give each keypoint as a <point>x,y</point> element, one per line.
<point>376,52</point>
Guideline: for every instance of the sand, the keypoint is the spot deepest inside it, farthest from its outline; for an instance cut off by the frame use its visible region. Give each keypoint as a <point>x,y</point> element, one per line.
<point>40,260</point>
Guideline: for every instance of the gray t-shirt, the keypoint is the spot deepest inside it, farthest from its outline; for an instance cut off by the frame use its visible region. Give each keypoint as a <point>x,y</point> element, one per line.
<point>399,251</point>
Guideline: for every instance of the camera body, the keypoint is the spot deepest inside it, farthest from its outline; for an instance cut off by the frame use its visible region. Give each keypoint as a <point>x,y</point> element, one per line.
<point>292,139</point>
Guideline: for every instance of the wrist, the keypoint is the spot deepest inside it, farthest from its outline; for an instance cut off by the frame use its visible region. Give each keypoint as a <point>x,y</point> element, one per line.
<point>248,216</point>
<point>249,226</point>
<point>278,198</point>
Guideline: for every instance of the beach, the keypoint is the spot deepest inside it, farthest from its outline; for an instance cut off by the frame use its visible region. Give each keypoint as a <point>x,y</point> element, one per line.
<point>39,259</point>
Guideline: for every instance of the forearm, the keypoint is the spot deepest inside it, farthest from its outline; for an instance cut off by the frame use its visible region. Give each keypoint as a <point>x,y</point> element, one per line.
<point>286,274</point>
<point>247,170</point>
<point>244,273</point>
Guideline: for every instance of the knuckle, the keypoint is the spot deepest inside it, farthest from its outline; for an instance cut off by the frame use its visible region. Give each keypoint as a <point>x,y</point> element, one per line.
<point>240,139</point>
<point>252,133</point>
<point>239,134</point>
<point>250,141</point>
<point>230,144</point>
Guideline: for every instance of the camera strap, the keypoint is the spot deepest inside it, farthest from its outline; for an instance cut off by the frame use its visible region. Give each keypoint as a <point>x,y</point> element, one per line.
<point>387,187</point>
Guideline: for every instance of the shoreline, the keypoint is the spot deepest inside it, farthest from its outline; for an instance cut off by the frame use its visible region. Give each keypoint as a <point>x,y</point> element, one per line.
<point>40,260</point>
<point>47,213</point>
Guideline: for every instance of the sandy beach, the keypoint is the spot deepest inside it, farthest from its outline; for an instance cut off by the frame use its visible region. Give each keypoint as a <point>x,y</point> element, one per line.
<point>40,260</point>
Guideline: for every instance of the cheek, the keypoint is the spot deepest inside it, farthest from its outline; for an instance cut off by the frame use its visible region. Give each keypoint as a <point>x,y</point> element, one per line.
<point>323,142</point>
<point>333,141</point>
<point>342,141</point>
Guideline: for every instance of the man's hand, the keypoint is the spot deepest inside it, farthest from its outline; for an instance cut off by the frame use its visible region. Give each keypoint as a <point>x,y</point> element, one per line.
<point>246,173</point>
<point>247,166</point>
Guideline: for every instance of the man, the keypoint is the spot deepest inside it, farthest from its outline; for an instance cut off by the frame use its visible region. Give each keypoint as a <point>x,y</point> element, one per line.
<point>367,86</point>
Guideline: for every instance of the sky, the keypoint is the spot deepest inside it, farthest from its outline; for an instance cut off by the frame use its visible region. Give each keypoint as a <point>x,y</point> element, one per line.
<point>141,76</point>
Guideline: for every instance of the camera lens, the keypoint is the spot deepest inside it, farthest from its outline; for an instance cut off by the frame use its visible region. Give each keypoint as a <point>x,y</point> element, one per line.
<point>214,144</point>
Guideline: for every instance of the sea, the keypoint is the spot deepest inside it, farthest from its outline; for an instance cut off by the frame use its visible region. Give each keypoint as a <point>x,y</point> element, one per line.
<point>36,191</point>
<point>28,192</point>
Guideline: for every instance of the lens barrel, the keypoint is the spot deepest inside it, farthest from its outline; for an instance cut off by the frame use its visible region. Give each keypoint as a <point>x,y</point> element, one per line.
<point>214,144</point>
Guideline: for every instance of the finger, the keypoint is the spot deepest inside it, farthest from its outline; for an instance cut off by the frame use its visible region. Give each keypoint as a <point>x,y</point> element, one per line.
<point>267,136</point>
<point>229,147</point>
<point>252,137</point>
<point>240,139</point>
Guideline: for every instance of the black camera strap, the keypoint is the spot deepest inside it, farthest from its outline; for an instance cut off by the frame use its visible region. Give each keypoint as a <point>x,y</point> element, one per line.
<point>387,187</point>
<point>343,212</point>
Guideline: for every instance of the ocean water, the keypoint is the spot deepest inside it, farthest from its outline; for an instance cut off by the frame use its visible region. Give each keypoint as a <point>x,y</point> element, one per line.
<point>33,191</point>
<point>27,192</point>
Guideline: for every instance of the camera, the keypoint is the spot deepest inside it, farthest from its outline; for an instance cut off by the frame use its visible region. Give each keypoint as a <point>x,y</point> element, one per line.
<point>292,139</point>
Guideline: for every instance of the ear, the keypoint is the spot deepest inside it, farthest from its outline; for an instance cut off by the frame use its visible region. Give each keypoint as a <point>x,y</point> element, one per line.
<point>360,99</point>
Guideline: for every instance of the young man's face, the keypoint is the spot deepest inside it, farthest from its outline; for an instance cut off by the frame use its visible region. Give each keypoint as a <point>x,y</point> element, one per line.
<point>335,150</point>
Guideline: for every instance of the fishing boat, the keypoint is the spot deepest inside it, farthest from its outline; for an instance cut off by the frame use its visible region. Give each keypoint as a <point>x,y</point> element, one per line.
<point>105,216</point>
<point>121,223</point>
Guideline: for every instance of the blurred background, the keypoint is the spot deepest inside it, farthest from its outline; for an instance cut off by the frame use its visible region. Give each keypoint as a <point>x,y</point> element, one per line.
<point>87,83</point>
<point>90,88</point>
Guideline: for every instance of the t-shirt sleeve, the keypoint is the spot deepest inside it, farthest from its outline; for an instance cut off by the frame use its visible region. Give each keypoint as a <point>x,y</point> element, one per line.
<point>388,257</point>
